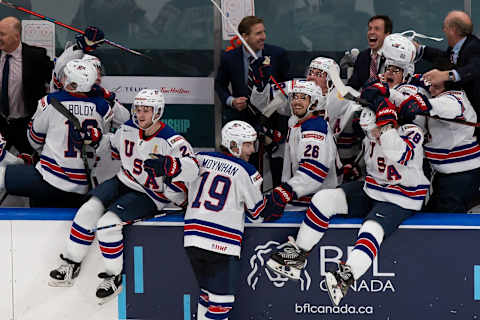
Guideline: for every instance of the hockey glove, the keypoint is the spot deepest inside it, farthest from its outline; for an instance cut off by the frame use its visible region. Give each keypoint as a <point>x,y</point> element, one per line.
<point>27,159</point>
<point>276,202</point>
<point>98,91</point>
<point>89,41</point>
<point>418,81</point>
<point>162,166</point>
<point>373,91</point>
<point>351,172</point>
<point>261,72</point>
<point>412,106</point>
<point>75,136</point>
<point>386,113</point>
<point>92,137</point>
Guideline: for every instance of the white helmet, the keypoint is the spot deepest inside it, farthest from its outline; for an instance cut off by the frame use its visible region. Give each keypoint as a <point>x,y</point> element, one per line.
<point>149,98</point>
<point>317,100</point>
<point>368,121</point>
<point>95,61</point>
<point>399,51</point>
<point>79,76</point>
<point>324,64</point>
<point>238,132</point>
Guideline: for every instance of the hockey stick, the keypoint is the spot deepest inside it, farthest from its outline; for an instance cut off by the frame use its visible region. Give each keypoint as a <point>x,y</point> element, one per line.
<point>351,94</point>
<point>114,44</point>
<point>244,42</point>
<point>162,213</point>
<point>67,114</point>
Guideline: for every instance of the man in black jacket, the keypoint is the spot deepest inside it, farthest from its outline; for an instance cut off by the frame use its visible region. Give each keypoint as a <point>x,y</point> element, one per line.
<point>461,61</point>
<point>379,27</point>
<point>27,70</point>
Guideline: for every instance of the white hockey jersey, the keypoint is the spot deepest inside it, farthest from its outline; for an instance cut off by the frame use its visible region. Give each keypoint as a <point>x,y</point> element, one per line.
<point>129,145</point>
<point>60,162</point>
<point>450,147</point>
<point>394,167</point>
<point>339,113</point>
<point>217,201</point>
<point>310,156</point>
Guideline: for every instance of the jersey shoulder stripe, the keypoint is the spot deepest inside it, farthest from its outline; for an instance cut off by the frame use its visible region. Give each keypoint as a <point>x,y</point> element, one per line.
<point>102,107</point>
<point>315,124</point>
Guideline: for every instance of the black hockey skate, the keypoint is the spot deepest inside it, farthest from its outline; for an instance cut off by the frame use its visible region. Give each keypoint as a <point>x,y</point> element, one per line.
<point>109,288</point>
<point>64,275</point>
<point>338,282</point>
<point>289,260</point>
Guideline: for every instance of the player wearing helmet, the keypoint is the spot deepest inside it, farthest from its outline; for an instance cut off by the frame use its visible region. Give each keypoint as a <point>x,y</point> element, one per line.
<point>227,188</point>
<point>60,179</point>
<point>310,152</point>
<point>394,188</point>
<point>155,160</point>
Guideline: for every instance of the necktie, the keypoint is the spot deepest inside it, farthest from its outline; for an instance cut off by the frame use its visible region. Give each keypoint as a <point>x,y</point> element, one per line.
<point>250,76</point>
<point>5,104</point>
<point>373,66</point>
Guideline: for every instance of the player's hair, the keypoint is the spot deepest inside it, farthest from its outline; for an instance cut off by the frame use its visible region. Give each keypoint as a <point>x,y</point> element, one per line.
<point>387,22</point>
<point>247,23</point>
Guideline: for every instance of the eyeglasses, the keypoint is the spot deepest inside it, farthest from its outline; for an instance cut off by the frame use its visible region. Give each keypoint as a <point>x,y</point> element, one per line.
<point>299,96</point>
<point>317,74</point>
<point>393,69</point>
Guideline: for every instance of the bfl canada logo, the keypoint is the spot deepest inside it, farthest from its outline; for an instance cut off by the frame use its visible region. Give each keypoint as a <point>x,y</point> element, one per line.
<point>257,263</point>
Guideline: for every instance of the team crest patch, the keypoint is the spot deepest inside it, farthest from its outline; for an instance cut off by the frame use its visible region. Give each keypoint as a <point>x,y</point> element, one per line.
<point>256,177</point>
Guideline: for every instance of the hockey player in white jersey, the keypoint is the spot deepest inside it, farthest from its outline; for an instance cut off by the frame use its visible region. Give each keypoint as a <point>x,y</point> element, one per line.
<point>143,186</point>
<point>340,113</point>
<point>227,188</point>
<point>451,148</point>
<point>395,187</point>
<point>60,178</point>
<point>310,152</point>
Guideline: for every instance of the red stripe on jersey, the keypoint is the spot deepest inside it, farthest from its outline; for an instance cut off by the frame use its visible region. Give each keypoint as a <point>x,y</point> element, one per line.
<point>420,192</point>
<point>314,169</point>
<point>213,231</point>
<point>455,154</point>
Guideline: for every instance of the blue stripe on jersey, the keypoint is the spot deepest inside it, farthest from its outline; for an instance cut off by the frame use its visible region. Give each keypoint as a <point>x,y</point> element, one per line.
<point>77,176</point>
<point>211,236</point>
<point>447,151</point>
<point>102,107</point>
<point>214,225</point>
<point>247,166</point>
<point>315,124</point>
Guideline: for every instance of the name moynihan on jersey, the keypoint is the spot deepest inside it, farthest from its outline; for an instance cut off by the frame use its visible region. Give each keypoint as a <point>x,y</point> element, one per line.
<point>81,109</point>
<point>220,166</point>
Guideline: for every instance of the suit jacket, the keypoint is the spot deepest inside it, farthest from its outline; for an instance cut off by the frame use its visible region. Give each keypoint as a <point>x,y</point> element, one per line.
<point>467,66</point>
<point>361,70</point>
<point>232,71</point>
<point>37,72</point>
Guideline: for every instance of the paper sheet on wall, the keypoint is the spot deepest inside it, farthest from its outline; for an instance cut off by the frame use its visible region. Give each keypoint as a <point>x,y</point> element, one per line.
<point>41,34</point>
<point>235,10</point>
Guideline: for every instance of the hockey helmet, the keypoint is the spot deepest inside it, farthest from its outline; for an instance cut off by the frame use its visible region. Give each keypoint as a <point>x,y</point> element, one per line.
<point>96,62</point>
<point>368,121</point>
<point>317,100</point>
<point>238,132</point>
<point>79,76</point>
<point>399,51</point>
<point>323,64</point>
<point>149,98</point>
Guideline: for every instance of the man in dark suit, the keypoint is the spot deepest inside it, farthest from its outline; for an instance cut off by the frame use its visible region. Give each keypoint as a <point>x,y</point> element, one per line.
<point>234,71</point>
<point>461,61</point>
<point>370,62</point>
<point>25,73</point>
